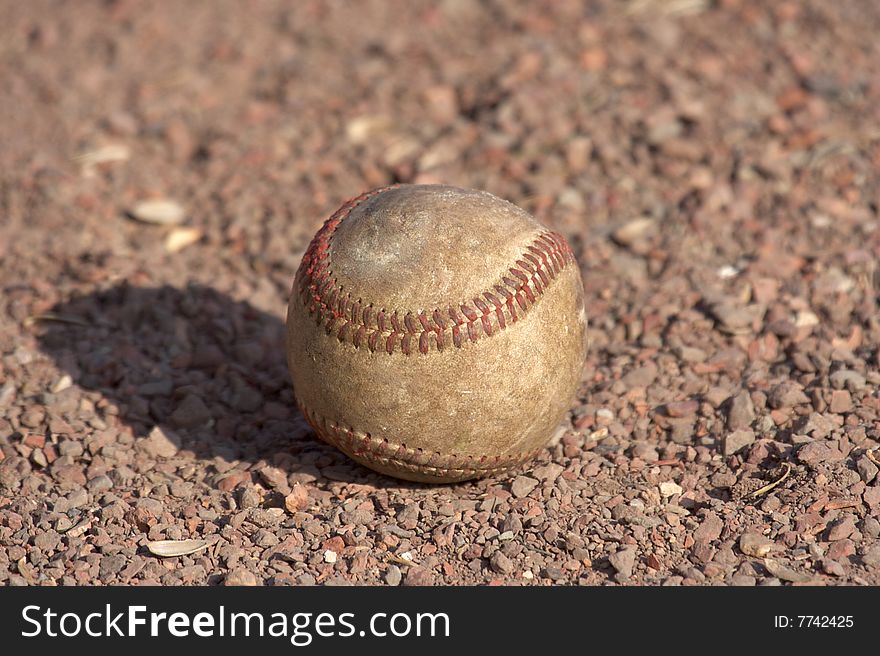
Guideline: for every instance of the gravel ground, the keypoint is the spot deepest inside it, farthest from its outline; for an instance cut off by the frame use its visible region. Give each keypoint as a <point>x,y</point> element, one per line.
<point>714,165</point>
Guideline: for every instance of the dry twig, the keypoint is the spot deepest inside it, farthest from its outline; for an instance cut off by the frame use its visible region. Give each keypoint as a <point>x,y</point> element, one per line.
<point>764,490</point>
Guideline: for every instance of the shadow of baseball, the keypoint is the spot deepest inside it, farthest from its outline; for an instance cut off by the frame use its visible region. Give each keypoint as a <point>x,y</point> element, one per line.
<point>191,373</point>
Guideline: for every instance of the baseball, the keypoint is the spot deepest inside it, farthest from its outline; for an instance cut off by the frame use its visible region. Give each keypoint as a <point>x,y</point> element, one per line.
<point>436,334</point>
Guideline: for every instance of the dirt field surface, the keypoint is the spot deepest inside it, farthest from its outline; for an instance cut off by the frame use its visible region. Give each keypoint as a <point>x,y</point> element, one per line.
<point>714,165</point>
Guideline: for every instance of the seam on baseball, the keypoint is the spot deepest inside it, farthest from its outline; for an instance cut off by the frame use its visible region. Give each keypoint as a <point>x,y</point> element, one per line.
<point>416,460</point>
<point>358,323</point>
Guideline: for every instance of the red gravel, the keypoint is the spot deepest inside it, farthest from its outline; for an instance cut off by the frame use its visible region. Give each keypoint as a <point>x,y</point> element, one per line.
<point>714,165</point>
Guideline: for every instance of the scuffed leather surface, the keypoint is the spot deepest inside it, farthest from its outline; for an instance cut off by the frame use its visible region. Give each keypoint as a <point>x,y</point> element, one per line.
<point>451,414</point>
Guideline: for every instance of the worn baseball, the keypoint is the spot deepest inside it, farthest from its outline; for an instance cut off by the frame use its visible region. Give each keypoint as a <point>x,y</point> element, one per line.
<point>436,334</point>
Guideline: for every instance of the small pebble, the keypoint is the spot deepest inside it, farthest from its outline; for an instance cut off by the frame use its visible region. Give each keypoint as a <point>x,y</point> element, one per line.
<point>393,575</point>
<point>241,577</point>
<point>522,485</point>
<point>738,440</point>
<point>161,212</point>
<point>623,562</point>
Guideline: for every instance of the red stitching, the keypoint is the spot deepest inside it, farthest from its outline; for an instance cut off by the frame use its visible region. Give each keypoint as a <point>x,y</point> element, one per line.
<point>355,321</point>
<point>383,452</point>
